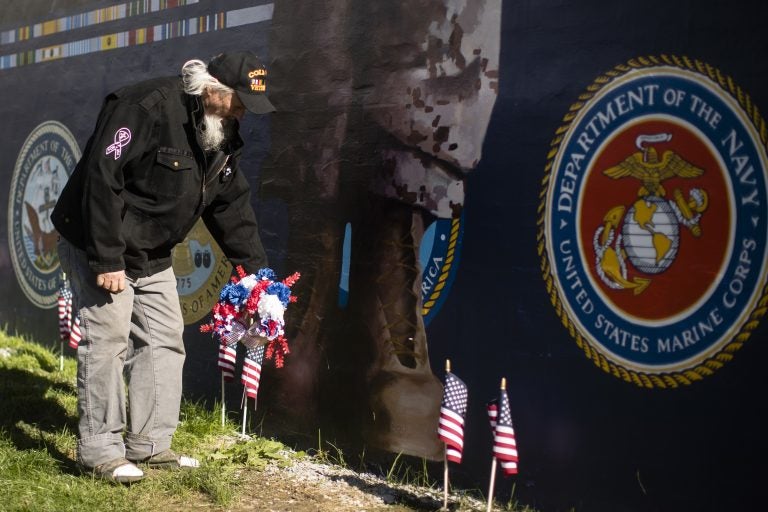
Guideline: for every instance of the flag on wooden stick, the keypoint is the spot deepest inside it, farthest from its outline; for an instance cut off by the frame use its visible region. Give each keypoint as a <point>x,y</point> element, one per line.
<point>453,410</point>
<point>504,442</point>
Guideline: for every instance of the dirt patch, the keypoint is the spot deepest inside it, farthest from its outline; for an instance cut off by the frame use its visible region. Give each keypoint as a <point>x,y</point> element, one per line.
<point>307,486</point>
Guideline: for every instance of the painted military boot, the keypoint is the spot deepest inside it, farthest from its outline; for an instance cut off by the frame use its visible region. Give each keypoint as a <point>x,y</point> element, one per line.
<point>403,394</point>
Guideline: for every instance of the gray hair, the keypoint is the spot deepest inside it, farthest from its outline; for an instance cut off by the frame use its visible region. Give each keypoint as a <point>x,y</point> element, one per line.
<point>196,78</point>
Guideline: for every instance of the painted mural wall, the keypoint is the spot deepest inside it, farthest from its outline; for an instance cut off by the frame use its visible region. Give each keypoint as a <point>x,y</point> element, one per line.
<point>570,195</point>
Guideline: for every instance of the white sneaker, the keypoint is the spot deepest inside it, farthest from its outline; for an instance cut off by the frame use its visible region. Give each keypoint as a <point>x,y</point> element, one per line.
<point>119,470</point>
<point>168,459</point>
<point>188,462</point>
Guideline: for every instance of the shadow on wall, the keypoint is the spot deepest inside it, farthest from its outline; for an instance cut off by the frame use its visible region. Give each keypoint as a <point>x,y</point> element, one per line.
<point>381,114</point>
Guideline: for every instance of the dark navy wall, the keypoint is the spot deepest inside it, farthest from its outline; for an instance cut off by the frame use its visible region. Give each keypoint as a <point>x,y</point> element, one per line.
<point>587,440</point>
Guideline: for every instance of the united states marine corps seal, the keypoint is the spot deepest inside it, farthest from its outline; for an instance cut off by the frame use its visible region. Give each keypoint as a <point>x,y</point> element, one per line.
<point>653,221</point>
<point>44,164</point>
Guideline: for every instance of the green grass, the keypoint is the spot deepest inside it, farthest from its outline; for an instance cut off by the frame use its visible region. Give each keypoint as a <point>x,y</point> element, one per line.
<point>38,426</point>
<point>38,438</point>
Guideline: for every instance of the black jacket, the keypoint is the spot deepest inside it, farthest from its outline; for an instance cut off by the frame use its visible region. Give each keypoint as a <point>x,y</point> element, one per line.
<point>144,181</point>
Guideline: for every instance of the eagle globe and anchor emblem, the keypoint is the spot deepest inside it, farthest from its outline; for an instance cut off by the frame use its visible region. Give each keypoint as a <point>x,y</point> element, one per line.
<point>648,232</point>
<point>652,231</point>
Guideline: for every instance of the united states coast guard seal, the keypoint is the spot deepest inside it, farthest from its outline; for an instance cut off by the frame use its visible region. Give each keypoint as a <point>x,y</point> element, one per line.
<point>653,225</point>
<point>44,164</point>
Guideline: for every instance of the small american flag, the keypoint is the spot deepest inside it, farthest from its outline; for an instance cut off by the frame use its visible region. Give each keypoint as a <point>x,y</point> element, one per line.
<point>504,444</point>
<point>69,328</point>
<point>228,350</point>
<point>64,304</point>
<point>75,335</point>
<point>252,370</point>
<point>450,427</point>
<point>227,358</point>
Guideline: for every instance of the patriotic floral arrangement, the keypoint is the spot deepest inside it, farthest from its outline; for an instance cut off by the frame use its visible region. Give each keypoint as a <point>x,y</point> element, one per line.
<point>251,310</point>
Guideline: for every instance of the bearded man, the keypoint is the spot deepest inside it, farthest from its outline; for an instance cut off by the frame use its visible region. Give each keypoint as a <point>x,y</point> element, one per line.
<point>164,153</point>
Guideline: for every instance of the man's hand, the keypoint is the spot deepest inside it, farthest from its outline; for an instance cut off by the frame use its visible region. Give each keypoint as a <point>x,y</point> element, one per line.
<point>113,282</point>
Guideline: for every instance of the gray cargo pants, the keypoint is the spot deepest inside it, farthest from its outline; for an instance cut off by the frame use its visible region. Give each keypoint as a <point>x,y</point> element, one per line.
<point>132,337</point>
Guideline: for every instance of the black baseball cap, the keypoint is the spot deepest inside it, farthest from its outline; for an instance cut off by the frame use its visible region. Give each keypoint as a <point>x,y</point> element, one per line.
<point>243,72</point>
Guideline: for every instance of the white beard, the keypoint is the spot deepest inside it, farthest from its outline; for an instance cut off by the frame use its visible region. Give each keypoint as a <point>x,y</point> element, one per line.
<point>214,135</point>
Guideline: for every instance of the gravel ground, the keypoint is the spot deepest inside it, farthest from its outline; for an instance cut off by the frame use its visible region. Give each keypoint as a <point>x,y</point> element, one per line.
<point>307,486</point>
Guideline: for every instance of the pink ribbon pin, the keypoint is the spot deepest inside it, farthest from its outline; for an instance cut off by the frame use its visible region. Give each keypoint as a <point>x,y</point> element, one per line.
<point>122,138</point>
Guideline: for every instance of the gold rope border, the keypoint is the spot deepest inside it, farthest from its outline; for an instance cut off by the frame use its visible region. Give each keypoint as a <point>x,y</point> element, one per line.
<point>446,270</point>
<point>710,365</point>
